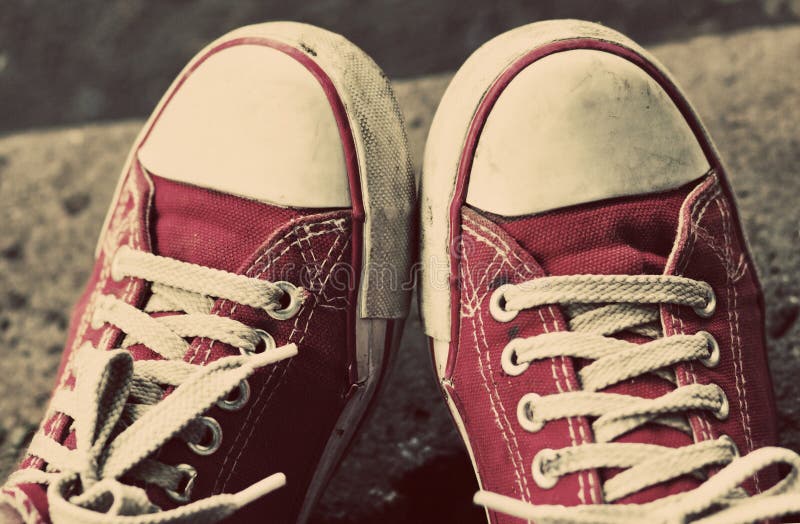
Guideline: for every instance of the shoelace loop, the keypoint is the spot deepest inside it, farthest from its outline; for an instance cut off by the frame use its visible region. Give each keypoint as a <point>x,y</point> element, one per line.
<point>119,411</point>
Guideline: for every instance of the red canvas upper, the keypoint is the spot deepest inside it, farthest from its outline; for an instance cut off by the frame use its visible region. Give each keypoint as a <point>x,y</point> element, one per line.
<point>690,231</point>
<point>271,433</point>
<point>295,403</point>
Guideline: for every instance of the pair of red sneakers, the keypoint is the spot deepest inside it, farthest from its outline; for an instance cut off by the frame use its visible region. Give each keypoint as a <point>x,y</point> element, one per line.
<point>594,315</point>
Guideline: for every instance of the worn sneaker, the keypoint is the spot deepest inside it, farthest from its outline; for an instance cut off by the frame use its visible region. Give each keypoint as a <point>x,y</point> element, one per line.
<point>595,318</point>
<point>241,310</point>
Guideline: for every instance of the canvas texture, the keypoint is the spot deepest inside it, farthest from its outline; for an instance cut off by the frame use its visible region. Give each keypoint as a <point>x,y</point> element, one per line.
<point>270,433</point>
<point>690,231</point>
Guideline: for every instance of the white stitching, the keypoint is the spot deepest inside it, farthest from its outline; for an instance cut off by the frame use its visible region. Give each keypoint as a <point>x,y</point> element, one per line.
<point>699,208</point>
<point>733,322</point>
<point>494,397</point>
<point>593,488</point>
<point>261,400</point>
<point>570,426</point>
<point>274,369</point>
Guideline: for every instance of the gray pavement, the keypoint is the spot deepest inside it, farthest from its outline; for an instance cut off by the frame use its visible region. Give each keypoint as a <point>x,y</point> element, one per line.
<point>408,464</point>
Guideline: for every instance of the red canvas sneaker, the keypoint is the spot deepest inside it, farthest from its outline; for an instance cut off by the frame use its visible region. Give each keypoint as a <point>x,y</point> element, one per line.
<point>595,317</point>
<point>245,296</point>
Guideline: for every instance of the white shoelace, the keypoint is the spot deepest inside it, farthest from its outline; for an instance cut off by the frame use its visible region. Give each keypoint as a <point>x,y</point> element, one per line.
<point>598,307</point>
<point>119,411</point>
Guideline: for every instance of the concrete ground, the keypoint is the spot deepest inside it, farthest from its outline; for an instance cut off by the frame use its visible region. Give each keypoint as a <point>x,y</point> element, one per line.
<point>89,60</point>
<point>408,464</point>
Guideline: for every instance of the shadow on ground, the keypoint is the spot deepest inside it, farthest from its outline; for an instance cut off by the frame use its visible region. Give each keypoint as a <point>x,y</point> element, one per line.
<point>440,490</point>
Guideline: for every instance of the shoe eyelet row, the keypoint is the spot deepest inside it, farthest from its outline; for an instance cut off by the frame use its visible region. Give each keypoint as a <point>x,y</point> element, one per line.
<point>508,360</point>
<point>214,432</point>
<point>497,305</point>
<point>525,415</point>
<point>707,311</point>
<point>542,478</point>
<point>212,444</point>
<point>236,403</point>
<point>292,307</point>
<point>713,358</point>
<point>184,495</point>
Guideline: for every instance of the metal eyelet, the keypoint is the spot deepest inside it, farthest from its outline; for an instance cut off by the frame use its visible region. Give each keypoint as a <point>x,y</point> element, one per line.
<point>525,413</point>
<point>725,407</point>
<point>267,340</point>
<point>497,305</point>
<point>183,496</point>
<point>713,357</point>
<point>711,304</point>
<point>214,441</point>
<point>541,477</point>
<point>292,308</point>
<point>508,360</point>
<point>236,403</point>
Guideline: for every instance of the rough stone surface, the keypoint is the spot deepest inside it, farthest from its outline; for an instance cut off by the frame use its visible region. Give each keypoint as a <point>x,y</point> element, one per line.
<point>111,59</point>
<point>407,465</point>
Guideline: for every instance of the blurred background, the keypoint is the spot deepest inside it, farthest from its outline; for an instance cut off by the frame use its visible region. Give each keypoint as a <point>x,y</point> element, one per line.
<point>67,61</point>
<point>77,77</point>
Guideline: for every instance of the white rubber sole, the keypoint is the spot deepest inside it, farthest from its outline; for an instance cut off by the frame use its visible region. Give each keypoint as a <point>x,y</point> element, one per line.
<point>388,197</point>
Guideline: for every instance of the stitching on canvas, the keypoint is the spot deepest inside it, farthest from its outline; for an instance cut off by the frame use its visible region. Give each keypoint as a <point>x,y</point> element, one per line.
<point>324,283</point>
<point>735,339</point>
<point>273,372</point>
<point>499,259</point>
<point>516,454</point>
<point>316,277</point>
<point>261,267</point>
<point>507,249</point>
<point>733,321</point>
<point>494,398</point>
<point>323,290</point>
<point>702,206</point>
<point>570,426</point>
<point>593,488</point>
<point>503,243</point>
<point>699,209</point>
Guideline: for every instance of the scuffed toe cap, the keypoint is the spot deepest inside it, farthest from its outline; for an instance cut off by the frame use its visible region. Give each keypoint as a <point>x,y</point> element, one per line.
<point>580,126</point>
<point>253,121</point>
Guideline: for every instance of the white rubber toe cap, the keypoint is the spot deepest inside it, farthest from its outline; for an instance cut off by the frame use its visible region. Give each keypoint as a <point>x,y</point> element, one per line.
<point>254,122</point>
<point>580,126</point>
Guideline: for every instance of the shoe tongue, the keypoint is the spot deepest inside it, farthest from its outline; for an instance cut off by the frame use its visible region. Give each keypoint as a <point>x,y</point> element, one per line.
<point>629,236</point>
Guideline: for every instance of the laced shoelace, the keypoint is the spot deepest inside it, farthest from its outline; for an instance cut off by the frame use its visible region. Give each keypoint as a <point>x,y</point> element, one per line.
<point>600,306</point>
<point>120,413</point>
